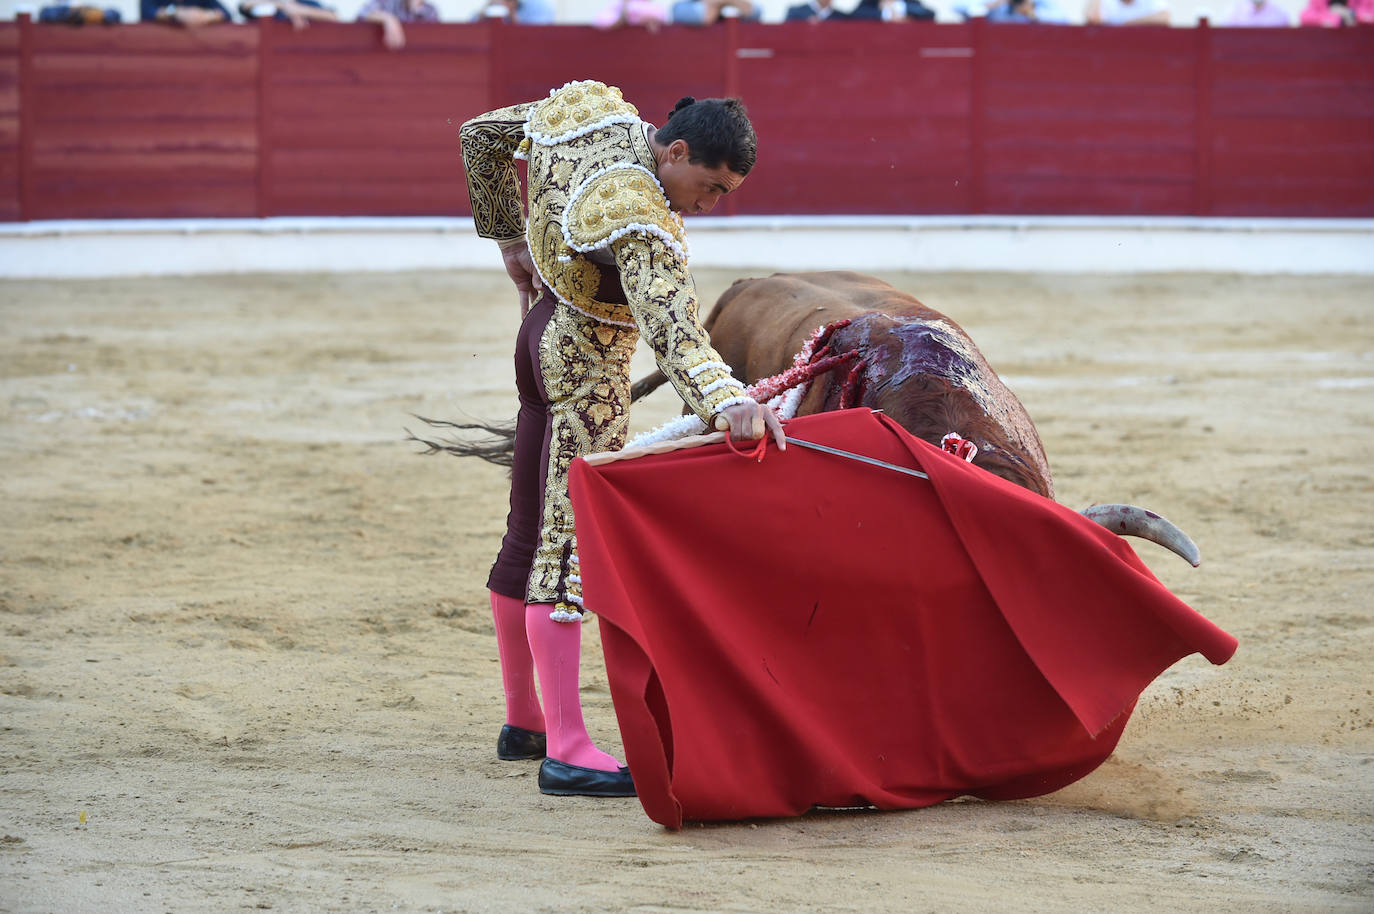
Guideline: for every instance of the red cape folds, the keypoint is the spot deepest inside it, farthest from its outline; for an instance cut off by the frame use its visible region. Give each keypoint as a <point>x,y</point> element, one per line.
<point>816,631</point>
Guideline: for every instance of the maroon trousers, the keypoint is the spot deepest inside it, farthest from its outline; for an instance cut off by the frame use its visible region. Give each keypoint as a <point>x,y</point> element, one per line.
<point>533,426</point>
<point>533,429</point>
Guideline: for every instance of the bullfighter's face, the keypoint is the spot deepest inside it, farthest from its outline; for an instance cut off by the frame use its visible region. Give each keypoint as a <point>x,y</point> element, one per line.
<point>694,189</point>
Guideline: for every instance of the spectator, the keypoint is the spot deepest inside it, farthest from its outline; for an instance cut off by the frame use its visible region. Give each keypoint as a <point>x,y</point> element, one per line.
<point>706,12</point>
<point>1336,13</point>
<point>79,14</point>
<point>813,11</point>
<point>391,13</point>
<point>892,10</point>
<point>1258,14</point>
<point>297,12</point>
<point>188,13</point>
<point>646,13</point>
<point>1043,11</point>
<point>1012,11</point>
<point>525,12</point>
<point>1127,12</point>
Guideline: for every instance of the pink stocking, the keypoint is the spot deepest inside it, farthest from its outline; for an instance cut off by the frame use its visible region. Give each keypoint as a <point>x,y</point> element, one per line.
<point>517,667</point>
<point>557,649</point>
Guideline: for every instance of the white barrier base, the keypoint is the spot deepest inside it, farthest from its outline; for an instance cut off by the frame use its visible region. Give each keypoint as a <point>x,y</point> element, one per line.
<point>1048,244</point>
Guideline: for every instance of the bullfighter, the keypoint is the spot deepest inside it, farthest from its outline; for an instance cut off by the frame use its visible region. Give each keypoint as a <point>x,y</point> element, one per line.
<point>601,260</point>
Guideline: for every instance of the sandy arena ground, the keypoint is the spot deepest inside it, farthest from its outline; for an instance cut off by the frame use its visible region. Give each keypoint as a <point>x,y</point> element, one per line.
<point>247,660</point>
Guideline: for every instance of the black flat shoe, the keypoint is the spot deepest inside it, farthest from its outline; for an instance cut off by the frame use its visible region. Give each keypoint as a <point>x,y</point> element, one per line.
<point>563,780</point>
<point>516,743</point>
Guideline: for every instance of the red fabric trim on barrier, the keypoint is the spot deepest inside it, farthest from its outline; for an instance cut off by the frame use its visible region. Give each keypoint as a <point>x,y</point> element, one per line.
<point>811,630</point>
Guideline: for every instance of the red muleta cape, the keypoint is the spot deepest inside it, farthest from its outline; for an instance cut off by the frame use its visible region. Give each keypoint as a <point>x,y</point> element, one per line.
<point>815,631</point>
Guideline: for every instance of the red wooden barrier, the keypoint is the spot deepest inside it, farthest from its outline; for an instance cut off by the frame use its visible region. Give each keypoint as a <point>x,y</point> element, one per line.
<point>140,122</point>
<point>260,120</point>
<point>864,119</point>
<point>351,128</point>
<point>1293,123</point>
<point>11,177</point>
<point>1090,120</point>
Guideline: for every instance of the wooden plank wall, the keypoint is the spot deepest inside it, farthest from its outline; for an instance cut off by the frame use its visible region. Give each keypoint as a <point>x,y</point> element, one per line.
<point>528,62</point>
<point>10,178</point>
<point>853,118</point>
<point>1293,122</point>
<point>857,117</point>
<point>349,127</point>
<point>142,121</point>
<point>1088,120</point>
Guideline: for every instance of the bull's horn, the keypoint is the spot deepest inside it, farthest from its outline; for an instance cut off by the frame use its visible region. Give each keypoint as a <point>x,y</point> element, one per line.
<point>1128,520</point>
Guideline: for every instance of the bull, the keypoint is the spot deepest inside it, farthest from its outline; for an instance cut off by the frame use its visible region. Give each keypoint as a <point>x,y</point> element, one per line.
<point>878,347</point>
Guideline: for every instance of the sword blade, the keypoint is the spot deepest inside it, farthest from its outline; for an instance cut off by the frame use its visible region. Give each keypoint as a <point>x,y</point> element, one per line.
<point>852,456</point>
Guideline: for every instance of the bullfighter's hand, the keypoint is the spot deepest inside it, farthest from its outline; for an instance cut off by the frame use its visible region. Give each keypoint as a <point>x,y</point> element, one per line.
<point>750,421</point>
<point>520,267</point>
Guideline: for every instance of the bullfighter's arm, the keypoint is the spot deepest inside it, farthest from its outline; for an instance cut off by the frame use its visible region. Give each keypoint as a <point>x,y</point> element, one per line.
<point>663,299</point>
<point>489,142</point>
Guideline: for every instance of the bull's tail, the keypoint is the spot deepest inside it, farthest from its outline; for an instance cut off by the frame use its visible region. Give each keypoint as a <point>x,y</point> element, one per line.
<point>647,385</point>
<point>498,449</point>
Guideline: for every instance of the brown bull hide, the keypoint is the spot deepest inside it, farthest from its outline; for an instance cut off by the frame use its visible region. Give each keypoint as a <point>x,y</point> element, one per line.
<point>920,367</point>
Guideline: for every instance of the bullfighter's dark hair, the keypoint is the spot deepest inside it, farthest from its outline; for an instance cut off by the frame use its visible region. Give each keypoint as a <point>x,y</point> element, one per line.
<point>717,131</point>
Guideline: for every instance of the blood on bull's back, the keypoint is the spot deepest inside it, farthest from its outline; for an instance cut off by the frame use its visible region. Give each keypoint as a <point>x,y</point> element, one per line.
<point>908,360</point>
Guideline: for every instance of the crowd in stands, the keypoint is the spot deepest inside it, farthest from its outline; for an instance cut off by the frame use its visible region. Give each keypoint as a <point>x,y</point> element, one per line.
<point>391,15</point>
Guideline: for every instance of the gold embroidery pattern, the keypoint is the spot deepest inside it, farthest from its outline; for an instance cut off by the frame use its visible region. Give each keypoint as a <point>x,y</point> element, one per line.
<point>586,370</point>
<point>577,107</point>
<point>617,201</point>
<point>663,300</point>
<point>554,172</point>
<point>489,143</point>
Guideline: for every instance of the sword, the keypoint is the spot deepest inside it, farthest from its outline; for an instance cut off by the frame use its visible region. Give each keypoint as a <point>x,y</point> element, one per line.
<point>663,447</point>
<point>852,456</point>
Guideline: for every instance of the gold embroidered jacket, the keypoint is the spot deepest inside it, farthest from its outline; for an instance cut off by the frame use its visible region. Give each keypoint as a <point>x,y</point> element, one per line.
<point>593,192</point>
